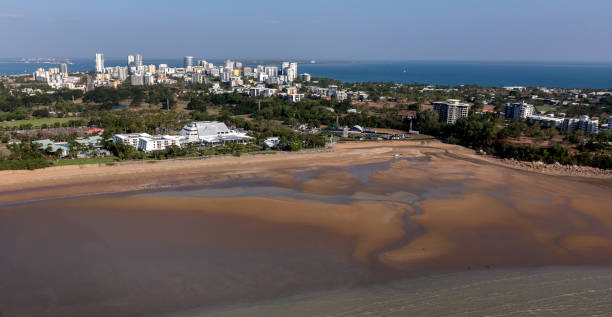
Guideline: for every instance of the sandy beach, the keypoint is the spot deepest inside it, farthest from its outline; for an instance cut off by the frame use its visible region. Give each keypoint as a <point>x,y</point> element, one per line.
<point>140,238</point>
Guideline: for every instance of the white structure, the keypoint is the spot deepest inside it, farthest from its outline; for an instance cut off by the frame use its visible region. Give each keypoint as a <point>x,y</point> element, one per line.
<point>518,111</point>
<point>138,60</point>
<point>99,63</point>
<point>272,141</point>
<point>451,110</point>
<point>158,142</point>
<point>130,139</point>
<point>584,124</point>
<point>130,61</point>
<point>211,132</point>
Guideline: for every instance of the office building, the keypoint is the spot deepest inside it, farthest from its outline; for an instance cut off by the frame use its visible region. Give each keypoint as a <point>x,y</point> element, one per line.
<point>99,62</point>
<point>451,110</point>
<point>188,61</point>
<point>64,69</point>
<point>130,61</point>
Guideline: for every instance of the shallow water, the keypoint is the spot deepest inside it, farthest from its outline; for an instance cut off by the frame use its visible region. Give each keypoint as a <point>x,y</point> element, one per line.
<point>552,291</point>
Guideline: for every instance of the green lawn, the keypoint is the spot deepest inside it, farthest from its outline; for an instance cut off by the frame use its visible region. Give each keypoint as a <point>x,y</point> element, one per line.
<point>546,108</point>
<point>37,123</point>
<point>93,160</point>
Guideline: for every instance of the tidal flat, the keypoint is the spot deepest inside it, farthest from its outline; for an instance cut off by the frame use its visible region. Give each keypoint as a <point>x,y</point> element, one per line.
<point>219,237</point>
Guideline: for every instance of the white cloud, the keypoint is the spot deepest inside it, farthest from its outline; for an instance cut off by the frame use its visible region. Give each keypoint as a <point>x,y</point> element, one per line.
<point>13,16</point>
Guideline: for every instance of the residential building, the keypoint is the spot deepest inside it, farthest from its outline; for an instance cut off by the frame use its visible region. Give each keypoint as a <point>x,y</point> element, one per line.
<point>61,149</point>
<point>158,142</point>
<point>305,77</point>
<point>130,139</point>
<point>451,110</point>
<point>99,63</point>
<point>138,60</point>
<point>518,111</point>
<point>584,124</point>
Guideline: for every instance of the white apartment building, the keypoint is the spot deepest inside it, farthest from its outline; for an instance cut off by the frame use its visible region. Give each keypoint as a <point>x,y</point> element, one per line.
<point>451,110</point>
<point>99,63</point>
<point>584,124</point>
<point>130,139</point>
<point>158,142</point>
<point>519,110</point>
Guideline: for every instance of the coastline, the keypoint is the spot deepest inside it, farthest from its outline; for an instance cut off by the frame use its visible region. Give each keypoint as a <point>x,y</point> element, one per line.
<point>25,180</point>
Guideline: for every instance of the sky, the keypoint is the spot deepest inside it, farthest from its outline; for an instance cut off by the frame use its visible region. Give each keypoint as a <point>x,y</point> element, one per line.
<point>449,30</point>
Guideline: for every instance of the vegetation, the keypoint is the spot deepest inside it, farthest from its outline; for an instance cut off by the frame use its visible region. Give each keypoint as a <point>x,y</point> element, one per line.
<point>23,156</point>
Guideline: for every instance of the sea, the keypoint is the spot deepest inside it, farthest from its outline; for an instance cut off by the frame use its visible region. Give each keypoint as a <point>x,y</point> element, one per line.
<point>444,73</point>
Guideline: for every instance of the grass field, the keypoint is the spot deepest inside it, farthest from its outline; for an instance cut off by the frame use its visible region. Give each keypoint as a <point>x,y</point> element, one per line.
<point>93,160</point>
<point>546,108</point>
<point>37,123</point>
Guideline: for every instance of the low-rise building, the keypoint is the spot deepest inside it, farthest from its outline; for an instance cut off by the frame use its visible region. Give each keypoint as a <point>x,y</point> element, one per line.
<point>158,142</point>
<point>131,139</point>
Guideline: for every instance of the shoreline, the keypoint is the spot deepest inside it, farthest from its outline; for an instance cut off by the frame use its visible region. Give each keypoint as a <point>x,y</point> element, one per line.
<point>23,178</point>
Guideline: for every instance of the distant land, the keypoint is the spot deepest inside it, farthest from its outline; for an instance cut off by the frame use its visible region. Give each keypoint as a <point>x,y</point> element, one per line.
<point>492,74</point>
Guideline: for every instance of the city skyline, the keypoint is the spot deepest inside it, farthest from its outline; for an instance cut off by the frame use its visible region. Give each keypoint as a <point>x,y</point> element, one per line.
<point>542,30</point>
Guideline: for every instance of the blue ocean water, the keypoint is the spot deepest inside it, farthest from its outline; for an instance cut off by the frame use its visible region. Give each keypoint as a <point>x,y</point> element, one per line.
<point>496,74</point>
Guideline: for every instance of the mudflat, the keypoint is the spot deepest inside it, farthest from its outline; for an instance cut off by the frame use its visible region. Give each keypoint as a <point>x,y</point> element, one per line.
<point>149,238</point>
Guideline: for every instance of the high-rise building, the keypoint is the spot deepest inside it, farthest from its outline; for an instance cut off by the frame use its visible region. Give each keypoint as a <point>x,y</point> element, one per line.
<point>451,110</point>
<point>229,65</point>
<point>130,60</point>
<point>64,68</point>
<point>99,62</point>
<point>518,111</point>
<point>188,61</point>
<point>138,60</point>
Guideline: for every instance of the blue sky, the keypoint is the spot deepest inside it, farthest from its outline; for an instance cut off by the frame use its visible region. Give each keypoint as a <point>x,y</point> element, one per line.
<point>473,30</point>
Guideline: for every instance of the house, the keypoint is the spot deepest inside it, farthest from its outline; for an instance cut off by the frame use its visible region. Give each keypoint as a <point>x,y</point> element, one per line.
<point>60,148</point>
<point>272,141</point>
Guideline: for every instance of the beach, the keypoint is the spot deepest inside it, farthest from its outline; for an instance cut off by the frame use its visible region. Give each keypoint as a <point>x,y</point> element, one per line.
<point>141,238</point>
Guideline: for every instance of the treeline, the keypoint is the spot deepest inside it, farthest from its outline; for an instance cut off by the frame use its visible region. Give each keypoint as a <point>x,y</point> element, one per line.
<point>10,102</point>
<point>23,156</point>
<point>485,133</point>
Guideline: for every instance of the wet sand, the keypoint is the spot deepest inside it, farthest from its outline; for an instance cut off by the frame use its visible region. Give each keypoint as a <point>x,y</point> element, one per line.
<point>140,239</point>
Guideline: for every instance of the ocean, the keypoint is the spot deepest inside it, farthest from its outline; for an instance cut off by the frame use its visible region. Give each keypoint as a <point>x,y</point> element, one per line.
<point>495,74</point>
